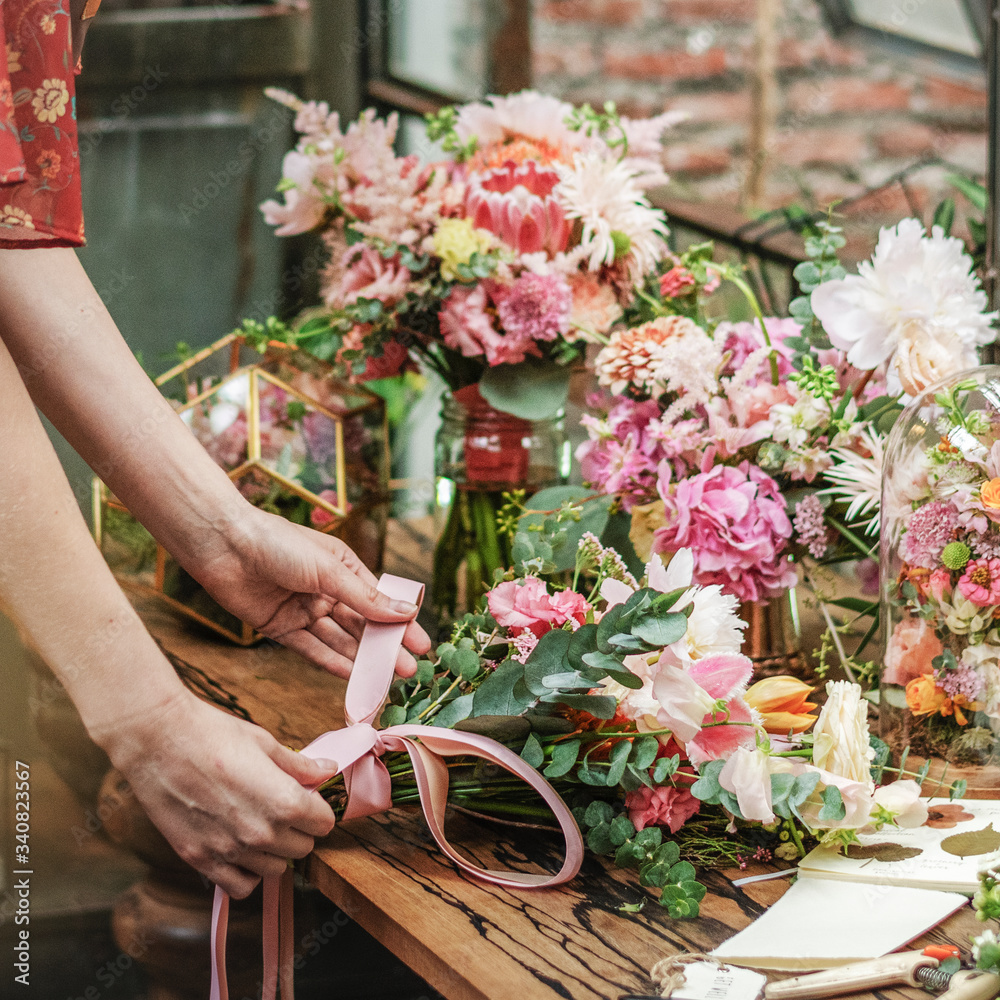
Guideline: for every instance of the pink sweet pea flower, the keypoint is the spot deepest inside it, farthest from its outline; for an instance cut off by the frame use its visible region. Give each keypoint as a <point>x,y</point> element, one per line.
<point>746,774</point>
<point>517,606</point>
<point>980,582</point>
<point>663,806</point>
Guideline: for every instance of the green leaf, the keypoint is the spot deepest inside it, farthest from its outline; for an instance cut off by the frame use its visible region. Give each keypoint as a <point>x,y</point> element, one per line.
<point>392,715</point>
<point>976,193</point>
<point>707,787</point>
<point>456,710</point>
<point>644,750</point>
<point>833,805</point>
<point>564,757</point>
<point>618,759</point>
<point>944,215</point>
<point>497,696</point>
<point>531,390</point>
<point>957,790</point>
<point>598,812</point>
<point>583,643</point>
<point>621,830</point>
<point>650,838</point>
<point>601,706</point>
<point>608,627</point>
<point>532,752</point>
<point>425,671</point>
<point>591,776</point>
<point>683,871</point>
<point>626,678</point>
<point>661,631</point>
<point>666,767</point>
<point>548,657</point>
<point>599,839</point>
<point>465,663</point>
<point>593,518</point>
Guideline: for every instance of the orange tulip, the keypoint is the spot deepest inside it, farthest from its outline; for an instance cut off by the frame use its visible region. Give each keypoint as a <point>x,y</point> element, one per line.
<point>782,704</point>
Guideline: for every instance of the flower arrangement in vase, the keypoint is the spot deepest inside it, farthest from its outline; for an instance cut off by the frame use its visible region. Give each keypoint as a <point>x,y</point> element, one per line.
<point>494,267</point>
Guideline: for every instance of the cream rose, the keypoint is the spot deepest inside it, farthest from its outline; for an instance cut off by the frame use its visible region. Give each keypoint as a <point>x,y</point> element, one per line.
<point>841,744</point>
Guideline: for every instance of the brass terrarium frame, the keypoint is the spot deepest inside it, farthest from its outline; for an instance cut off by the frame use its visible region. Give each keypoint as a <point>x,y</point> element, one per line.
<point>372,504</point>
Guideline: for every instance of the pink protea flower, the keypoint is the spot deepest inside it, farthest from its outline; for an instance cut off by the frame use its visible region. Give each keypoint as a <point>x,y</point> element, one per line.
<point>980,582</point>
<point>734,521</point>
<point>677,281</point>
<point>663,806</point>
<point>929,529</point>
<point>516,202</point>
<point>527,605</point>
<point>535,307</point>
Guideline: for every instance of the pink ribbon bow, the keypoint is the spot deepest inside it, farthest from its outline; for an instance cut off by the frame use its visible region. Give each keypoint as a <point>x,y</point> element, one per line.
<point>357,749</point>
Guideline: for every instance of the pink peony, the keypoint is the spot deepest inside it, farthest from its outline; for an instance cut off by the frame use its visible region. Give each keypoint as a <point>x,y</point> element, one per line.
<point>663,806</point>
<point>518,606</point>
<point>912,647</point>
<point>980,582</point>
<point>734,521</point>
<point>535,307</point>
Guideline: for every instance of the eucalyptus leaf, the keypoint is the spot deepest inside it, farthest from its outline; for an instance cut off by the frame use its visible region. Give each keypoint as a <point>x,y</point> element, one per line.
<point>548,657</point>
<point>662,630</point>
<point>532,753</point>
<point>496,695</point>
<point>564,757</point>
<point>531,390</point>
<point>455,711</point>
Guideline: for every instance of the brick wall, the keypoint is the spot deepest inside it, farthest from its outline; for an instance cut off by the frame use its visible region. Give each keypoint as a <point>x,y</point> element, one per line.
<point>851,114</point>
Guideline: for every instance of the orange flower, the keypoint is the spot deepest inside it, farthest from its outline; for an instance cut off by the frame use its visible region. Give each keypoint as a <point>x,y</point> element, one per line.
<point>782,703</point>
<point>924,696</point>
<point>989,493</point>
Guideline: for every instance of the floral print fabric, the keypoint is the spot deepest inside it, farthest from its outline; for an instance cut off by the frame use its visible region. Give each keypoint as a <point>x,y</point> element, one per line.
<point>40,199</point>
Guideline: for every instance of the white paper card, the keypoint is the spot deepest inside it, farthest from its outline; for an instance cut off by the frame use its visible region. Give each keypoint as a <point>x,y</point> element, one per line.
<point>820,924</point>
<point>706,981</point>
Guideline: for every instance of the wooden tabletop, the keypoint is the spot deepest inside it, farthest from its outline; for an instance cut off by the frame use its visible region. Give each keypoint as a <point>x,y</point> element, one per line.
<point>470,940</point>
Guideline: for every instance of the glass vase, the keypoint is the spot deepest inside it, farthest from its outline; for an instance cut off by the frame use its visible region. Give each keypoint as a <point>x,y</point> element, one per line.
<point>939,701</point>
<point>773,638</point>
<point>480,454</point>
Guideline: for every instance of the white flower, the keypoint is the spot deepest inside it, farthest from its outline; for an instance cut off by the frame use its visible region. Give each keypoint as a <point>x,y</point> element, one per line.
<point>859,478</point>
<point>986,938</point>
<point>792,422</point>
<point>714,626</point>
<point>841,740</point>
<point>901,800</point>
<point>917,305</point>
<point>616,217</point>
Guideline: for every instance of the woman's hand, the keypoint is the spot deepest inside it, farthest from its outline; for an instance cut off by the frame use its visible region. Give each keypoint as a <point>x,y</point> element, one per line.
<point>232,802</point>
<point>306,590</point>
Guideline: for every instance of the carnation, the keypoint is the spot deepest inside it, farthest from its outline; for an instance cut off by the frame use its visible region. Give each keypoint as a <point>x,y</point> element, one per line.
<point>663,806</point>
<point>536,307</point>
<point>734,521</point>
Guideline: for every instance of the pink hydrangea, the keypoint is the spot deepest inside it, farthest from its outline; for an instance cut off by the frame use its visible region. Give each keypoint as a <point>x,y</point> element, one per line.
<point>734,521</point>
<point>980,582</point>
<point>929,529</point>
<point>535,307</point>
<point>527,605</point>
<point>663,806</point>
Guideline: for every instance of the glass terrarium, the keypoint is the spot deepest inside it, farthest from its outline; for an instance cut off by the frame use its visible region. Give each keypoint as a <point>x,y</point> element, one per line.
<point>940,580</point>
<point>296,441</point>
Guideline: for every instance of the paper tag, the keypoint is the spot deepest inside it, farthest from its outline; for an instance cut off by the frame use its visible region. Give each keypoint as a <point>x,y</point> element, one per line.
<point>706,981</point>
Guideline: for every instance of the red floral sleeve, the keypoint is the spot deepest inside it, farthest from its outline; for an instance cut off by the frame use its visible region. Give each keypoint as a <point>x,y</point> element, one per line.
<point>40,201</point>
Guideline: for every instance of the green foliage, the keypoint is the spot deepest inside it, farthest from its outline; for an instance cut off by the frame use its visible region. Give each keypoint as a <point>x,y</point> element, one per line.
<point>535,389</point>
<point>440,128</point>
<point>659,864</point>
<point>552,524</point>
<point>606,124</point>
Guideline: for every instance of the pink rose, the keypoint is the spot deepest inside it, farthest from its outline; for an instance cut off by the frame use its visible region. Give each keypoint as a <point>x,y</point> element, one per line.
<point>939,583</point>
<point>911,648</point>
<point>663,806</point>
<point>528,605</point>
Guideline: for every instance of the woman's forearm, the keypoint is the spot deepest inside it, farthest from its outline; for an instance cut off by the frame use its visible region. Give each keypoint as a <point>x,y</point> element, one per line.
<point>57,587</point>
<point>82,375</point>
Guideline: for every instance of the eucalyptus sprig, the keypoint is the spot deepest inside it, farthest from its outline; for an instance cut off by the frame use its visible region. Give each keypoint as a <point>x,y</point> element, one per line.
<point>606,124</point>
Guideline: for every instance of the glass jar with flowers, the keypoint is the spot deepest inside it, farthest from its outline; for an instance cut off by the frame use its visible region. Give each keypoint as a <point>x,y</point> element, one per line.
<point>493,268</point>
<point>940,686</point>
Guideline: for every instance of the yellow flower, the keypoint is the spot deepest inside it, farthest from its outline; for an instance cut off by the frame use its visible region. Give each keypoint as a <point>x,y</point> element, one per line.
<point>455,241</point>
<point>48,24</point>
<point>989,493</point>
<point>782,704</point>
<point>645,520</point>
<point>50,100</point>
<point>11,216</point>
<point>13,59</point>
<point>924,696</point>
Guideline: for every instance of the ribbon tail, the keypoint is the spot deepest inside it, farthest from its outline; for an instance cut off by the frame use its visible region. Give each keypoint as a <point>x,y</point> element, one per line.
<point>286,925</point>
<point>368,786</point>
<point>220,921</point>
<point>272,884</point>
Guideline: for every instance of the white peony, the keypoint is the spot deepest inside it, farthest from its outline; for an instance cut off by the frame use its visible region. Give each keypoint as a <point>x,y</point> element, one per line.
<point>917,305</point>
<point>841,742</point>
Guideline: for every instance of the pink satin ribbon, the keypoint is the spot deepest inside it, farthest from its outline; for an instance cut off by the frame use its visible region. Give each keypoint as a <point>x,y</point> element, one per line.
<point>357,749</point>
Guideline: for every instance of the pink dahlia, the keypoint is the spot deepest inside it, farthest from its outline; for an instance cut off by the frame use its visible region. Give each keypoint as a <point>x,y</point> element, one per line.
<point>929,529</point>
<point>528,606</point>
<point>980,582</point>
<point>734,521</point>
<point>535,307</point>
<point>516,202</point>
